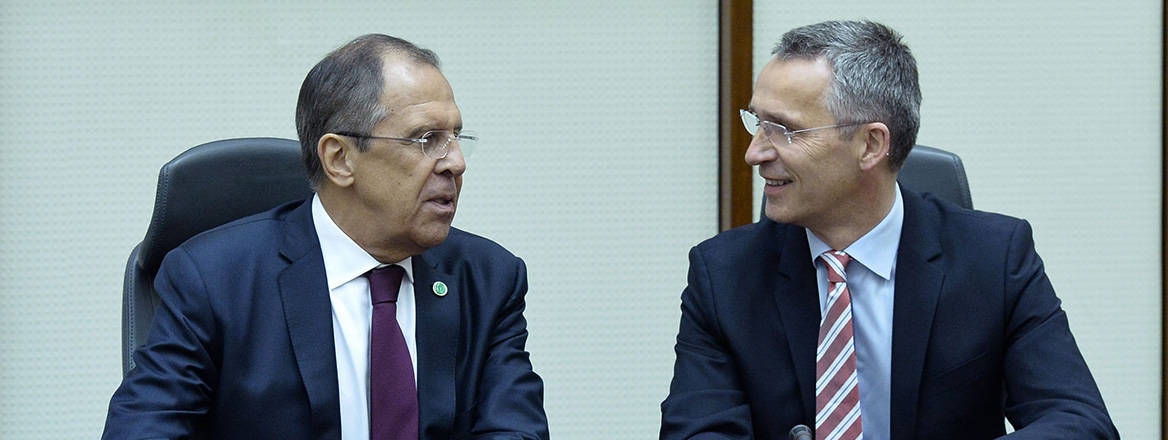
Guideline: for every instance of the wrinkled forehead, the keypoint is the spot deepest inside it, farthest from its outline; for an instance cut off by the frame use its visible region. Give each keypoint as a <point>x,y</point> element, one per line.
<point>417,94</point>
<point>413,120</point>
<point>791,88</point>
<point>802,76</point>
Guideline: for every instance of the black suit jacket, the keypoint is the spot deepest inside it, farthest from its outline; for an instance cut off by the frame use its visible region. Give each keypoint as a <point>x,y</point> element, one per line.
<point>977,335</point>
<point>242,345</point>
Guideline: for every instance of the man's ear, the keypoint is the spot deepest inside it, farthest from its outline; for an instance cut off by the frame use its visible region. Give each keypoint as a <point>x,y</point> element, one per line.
<point>336,155</point>
<point>877,145</point>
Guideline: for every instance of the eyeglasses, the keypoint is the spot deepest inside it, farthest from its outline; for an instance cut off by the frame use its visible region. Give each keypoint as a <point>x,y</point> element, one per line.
<point>435,143</point>
<point>777,133</point>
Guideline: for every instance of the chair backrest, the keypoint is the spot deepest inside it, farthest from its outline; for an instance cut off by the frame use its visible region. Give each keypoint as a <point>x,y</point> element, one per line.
<point>204,187</point>
<point>933,170</point>
<point>930,170</point>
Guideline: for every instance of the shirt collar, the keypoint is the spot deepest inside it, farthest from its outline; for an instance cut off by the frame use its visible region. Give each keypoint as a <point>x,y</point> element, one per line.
<point>344,260</point>
<point>876,250</point>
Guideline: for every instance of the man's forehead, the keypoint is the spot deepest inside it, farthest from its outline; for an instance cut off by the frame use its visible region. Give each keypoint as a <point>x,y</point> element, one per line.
<point>414,87</point>
<point>406,76</point>
<point>430,115</point>
<point>787,87</point>
<point>436,115</point>
<point>802,73</point>
<point>402,67</point>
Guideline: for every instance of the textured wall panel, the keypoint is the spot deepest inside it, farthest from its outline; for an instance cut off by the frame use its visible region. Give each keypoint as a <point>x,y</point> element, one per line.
<point>1055,109</point>
<point>598,167</point>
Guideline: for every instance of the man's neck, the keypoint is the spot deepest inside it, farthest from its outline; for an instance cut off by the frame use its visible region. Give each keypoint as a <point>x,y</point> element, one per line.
<point>858,218</point>
<point>346,216</point>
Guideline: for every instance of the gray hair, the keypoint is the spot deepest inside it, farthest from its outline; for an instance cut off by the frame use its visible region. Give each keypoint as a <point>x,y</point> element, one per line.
<point>874,77</point>
<point>343,93</point>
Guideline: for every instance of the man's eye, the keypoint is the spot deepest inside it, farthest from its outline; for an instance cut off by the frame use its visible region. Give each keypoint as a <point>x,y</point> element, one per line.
<point>421,135</point>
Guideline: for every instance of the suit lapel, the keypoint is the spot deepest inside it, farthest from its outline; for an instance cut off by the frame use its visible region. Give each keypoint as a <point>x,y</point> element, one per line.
<point>796,295</point>
<point>307,313</point>
<point>919,280</point>
<point>437,345</point>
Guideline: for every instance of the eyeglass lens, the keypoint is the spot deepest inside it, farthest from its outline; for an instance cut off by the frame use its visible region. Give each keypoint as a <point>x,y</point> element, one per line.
<point>749,121</point>
<point>775,133</point>
<point>437,144</point>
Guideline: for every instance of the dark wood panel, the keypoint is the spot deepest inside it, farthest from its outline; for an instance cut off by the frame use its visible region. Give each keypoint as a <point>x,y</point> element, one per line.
<point>735,47</point>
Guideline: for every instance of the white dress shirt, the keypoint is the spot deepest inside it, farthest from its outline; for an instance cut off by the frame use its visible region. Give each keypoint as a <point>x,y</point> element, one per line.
<point>345,263</point>
<point>871,281</point>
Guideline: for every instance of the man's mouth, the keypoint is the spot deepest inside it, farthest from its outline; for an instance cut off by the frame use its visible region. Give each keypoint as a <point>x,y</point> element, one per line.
<point>778,182</point>
<point>443,201</point>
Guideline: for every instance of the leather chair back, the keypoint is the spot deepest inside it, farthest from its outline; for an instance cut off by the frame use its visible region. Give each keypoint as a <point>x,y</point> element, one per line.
<point>202,188</point>
<point>933,170</point>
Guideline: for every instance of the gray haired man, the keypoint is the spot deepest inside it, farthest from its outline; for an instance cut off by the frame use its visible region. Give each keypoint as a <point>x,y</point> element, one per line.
<point>858,308</point>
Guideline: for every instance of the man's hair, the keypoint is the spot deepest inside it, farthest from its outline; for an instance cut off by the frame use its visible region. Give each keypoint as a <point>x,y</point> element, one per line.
<point>874,77</point>
<point>343,93</point>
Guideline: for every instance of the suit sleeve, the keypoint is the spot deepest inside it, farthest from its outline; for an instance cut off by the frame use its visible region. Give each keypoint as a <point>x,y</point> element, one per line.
<point>705,399</point>
<point>1050,391</point>
<point>168,393</point>
<point>510,402</point>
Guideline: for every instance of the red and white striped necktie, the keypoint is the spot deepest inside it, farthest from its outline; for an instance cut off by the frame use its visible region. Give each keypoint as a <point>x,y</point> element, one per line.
<point>837,392</point>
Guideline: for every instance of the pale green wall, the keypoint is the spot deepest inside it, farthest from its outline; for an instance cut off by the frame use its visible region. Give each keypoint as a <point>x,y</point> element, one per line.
<point>1055,108</point>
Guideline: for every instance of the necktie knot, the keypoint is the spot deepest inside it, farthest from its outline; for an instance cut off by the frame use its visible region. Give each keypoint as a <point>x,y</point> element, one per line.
<point>837,264</point>
<point>384,283</point>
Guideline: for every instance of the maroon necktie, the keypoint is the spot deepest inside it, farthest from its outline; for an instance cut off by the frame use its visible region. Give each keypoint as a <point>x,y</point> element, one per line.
<point>837,394</point>
<point>393,396</point>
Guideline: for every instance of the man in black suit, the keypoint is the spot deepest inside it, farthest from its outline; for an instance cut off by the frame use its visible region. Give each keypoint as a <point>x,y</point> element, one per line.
<point>858,308</point>
<point>358,313</point>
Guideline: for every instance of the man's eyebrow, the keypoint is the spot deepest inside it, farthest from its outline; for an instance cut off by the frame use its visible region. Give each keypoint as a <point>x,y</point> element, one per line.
<point>417,130</point>
<point>424,124</point>
<point>773,117</point>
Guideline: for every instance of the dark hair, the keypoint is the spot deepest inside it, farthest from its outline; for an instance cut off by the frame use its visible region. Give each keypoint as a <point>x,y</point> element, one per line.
<point>343,93</point>
<point>874,77</point>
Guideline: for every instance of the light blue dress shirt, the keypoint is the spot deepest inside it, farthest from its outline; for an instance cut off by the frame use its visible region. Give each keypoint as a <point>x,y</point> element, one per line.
<point>871,280</point>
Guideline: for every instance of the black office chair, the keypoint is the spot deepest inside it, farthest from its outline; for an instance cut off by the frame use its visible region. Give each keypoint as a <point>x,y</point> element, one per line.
<point>929,170</point>
<point>202,188</point>
<point>933,170</point>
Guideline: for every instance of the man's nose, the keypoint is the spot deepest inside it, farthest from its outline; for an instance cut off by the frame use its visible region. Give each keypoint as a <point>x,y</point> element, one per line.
<point>454,162</point>
<point>760,150</point>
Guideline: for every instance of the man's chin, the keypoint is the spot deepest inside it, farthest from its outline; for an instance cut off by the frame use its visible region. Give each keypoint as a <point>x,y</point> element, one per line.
<point>778,215</point>
<point>772,212</point>
<point>432,235</point>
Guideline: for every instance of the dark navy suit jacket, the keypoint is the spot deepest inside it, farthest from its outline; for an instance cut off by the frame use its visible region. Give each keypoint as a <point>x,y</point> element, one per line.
<point>977,335</point>
<point>242,344</point>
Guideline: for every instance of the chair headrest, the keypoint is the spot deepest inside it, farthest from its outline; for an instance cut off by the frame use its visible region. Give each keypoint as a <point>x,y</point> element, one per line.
<point>218,182</point>
<point>936,171</point>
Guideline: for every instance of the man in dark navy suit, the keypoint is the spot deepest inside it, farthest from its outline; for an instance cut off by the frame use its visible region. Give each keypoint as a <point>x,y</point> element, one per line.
<point>358,313</point>
<point>857,308</point>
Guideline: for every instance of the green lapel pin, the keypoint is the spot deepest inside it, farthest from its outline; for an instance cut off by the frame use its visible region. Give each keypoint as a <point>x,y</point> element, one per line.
<point>440,288</point>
